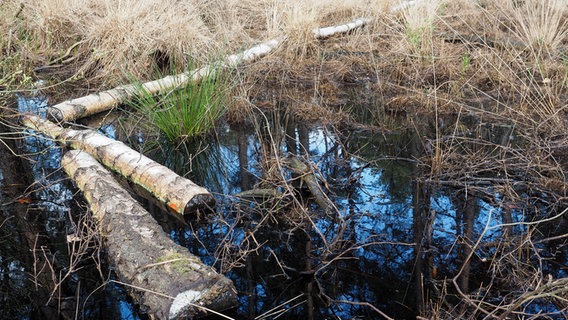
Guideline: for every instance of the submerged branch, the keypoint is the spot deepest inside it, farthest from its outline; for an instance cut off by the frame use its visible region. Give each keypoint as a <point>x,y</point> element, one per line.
<point>307,175</point>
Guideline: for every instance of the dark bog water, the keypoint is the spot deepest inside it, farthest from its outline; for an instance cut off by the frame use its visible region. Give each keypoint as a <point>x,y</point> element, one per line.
<point>391,243</point>
<point>45,274</point>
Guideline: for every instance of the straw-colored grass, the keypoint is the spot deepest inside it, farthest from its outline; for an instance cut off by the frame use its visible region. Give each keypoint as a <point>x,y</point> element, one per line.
<point>127,36</point>
<point>419,21</point>
<point>14,70</point>
<point>540,24</point>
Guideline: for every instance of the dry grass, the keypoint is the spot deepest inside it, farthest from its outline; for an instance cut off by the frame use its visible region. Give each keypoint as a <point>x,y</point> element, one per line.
<point>540,24</point>
<point>419,23</point>
<point>131,36</point>
<point>13,66</point>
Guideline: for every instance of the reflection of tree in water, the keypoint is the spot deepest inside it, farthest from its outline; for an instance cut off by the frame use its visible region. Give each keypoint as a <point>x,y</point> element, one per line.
<point>42,275</point>
<point>397,243</point>
<point>331,265</point>
<point>367,255</point>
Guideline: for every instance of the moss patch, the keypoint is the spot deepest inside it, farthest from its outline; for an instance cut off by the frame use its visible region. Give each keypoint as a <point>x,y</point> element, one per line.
<point>177,261</point>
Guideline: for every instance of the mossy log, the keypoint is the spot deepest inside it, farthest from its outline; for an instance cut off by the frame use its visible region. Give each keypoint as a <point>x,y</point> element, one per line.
<point>262,193</point>
<point>102,101</point>
<point>180,194</point>
<point>167,280</point>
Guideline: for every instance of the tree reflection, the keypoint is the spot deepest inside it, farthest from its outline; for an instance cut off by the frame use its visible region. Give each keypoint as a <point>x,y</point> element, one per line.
<point>389,248</point>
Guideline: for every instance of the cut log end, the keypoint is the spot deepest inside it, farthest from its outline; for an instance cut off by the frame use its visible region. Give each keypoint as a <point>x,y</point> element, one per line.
<point>199,203</point>
<point>54,114</point>
<point>189,304</point>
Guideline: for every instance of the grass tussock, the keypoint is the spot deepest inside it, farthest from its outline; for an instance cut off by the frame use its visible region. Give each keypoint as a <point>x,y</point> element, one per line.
<point>540,24</point>
<point>131,36</point>
<point>419,23</point>
<point>121,36</point>
<point>188,110</point>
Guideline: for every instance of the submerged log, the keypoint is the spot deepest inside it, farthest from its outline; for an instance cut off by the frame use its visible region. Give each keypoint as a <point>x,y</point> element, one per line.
<point>167,280</point>
<point>260,193</point>
<point>180,194</point>
<point>307,175</point>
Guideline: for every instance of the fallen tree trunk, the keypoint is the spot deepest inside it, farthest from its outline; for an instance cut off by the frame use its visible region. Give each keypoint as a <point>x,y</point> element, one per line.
<point>102,101</point>
<point>180,194</point>
<point>98,102</point>
<point>167,280</point>
<point>329,31</point>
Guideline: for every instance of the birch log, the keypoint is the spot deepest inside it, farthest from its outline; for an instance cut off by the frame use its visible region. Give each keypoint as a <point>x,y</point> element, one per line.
<point>102,101</point>
<point>167,280</point>
<point>180,194</point>
<point>98,102</point>
<point>329,31</point>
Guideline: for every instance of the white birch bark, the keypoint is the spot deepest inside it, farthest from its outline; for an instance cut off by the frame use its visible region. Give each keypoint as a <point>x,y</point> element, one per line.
<point>167,280</point>
<point>180,194</point>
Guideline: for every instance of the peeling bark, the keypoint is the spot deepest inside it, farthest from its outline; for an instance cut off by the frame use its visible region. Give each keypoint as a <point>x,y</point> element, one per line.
<point>168,281</point>
<point>180,194</point>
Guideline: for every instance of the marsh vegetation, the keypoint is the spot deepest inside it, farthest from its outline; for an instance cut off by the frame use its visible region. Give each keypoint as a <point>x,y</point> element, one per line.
<point>437,135</point>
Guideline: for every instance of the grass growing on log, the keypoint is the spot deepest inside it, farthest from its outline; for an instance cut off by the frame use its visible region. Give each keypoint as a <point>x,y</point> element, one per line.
<point>188,110</point>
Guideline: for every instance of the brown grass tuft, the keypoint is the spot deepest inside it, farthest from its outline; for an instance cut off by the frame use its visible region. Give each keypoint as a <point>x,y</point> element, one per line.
<point>540,24</point>
<point>130,36</point>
